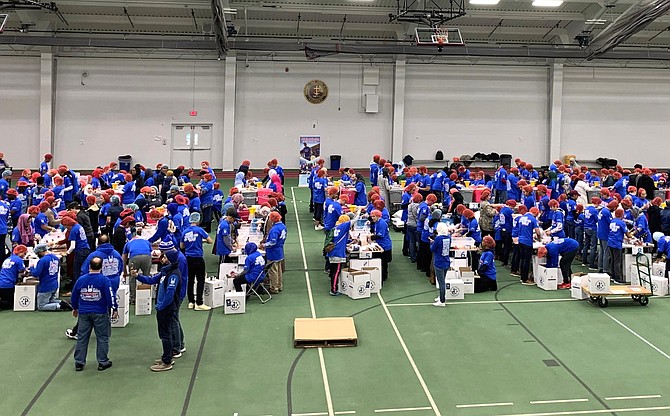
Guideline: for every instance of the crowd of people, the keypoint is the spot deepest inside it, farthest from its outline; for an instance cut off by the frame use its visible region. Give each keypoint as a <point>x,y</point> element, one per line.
<point>114,222</point>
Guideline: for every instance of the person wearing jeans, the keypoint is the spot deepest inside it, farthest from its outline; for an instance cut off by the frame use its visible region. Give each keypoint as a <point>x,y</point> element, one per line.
<point>78,244</point>
<point>46,271</point>
<point>440,248</point>
<point>528,227</point>
<point>590,244</point>
<point>92,301</point>
<point>178,346</point>
<point>604,219</point>
<point>411,227</point>
<point>191,242</point>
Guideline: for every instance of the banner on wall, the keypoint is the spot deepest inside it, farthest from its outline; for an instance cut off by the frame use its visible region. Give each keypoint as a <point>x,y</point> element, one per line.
<point>310,151</point>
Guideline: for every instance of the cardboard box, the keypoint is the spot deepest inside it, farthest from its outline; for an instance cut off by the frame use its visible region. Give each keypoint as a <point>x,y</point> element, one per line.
<point>451,274</point>
<point>660,286</point>
<point>123,319</point>
<point>343,284</point>
<point>234,303</point>
<point>658,269</point>
<point>460,254</point>
<point>455,290</point>
<point>365,254</point>
<point>547,278</point>
<point>458,263</point>
<point>359,285</point>
<point>468,277</point>
<point>375,278</point>
<point>213,293</point>
<point>123,297</point>
<point>598,283</point>
<point>630,266</point>
<point>576,291</point>
<point>241,259</point>
<point>226,268</point>
<point>360,263</point>
<point>537,261</point>
<point>143,304</point>
<point>25,296</point>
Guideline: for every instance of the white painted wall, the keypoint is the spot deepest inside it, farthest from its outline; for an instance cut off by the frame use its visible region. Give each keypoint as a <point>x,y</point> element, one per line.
<point>125,104</point>
<point>469,109</point>
<point>618,113</point>
<point>20,110</point>
<point>271,113</point>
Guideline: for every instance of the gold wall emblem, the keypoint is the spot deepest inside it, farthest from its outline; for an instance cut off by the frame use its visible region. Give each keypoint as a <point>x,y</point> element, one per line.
<point>316,91</point>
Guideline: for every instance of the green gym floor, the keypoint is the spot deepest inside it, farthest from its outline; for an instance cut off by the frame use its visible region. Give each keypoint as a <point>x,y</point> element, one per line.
<point>520,351</point>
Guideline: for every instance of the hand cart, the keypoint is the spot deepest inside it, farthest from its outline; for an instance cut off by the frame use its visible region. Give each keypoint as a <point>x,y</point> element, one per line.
<point>639,294</point>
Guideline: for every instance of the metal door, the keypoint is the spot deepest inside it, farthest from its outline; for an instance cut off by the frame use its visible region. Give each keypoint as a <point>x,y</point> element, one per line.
<point>191,144</point>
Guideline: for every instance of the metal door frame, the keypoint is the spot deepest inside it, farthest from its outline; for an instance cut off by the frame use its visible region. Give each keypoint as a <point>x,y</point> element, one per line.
<point>191,150</point>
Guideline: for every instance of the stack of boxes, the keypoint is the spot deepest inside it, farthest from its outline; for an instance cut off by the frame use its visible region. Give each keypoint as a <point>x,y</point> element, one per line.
<point>143,300</point>
<point>123,302</point>
<point>373,267</point>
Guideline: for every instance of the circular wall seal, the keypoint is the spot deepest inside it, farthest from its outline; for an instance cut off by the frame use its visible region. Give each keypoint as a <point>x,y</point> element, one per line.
<point>315,91</point>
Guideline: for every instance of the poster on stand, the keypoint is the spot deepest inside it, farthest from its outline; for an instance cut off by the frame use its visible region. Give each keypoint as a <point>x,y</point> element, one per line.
<point>310,151</point>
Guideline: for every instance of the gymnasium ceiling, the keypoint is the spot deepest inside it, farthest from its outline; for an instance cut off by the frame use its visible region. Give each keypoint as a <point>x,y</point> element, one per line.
<point>510,22</point>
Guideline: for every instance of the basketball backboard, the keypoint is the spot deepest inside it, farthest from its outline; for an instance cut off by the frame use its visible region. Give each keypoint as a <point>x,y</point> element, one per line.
<point>438,36</point>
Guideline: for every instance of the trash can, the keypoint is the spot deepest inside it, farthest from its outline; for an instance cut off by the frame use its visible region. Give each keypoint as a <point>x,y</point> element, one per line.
<point>125,162</point>
<point>335,162</point>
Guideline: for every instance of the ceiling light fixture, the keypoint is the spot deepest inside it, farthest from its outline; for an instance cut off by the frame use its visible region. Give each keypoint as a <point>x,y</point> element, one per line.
<point>547,3</point>
<point>484,2</point>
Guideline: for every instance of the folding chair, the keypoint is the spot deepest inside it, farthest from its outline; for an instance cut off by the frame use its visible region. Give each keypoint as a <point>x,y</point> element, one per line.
<point>258,289</point>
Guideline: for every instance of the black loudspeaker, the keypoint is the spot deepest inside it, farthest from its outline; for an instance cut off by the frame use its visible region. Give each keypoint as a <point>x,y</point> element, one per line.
<point>505,159</point>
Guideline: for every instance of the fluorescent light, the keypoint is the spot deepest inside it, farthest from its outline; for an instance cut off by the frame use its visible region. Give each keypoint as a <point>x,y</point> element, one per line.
<point>485,2</point>
<point>596,21</point>
<point>547,3</point>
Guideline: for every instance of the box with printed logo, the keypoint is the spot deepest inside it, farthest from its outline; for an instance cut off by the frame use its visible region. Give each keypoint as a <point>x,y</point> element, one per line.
<point>359,285</point>
<point>455,289</point>
<point>375,279</point>
<point>343,283</point>
<point>213,293</point>
<point>143,304</point>
<point>547,277</point>
<point>537,261</point>
<point>598,283</point>
<point>234,303</point>
<point>660,286</point>
<point>451,274</point>
<point>658,269</point>
<point>358,264</point>
<point>122,320</point>
<point>123,297</point>
<point>25,296</point>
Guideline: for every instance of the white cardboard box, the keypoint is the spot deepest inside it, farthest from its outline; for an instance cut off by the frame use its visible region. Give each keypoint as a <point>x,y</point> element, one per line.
<point>460,254</point>
<point>375,279</point>
<point>25,297</point>
<point>358,264</point>
<point>241,259</point>
<point>343,284</point>
<point>123,319</point>
<point>451,274</point>
<point>213,293</point>
<point>536,262</point>
<point>598,283</point>
<point>143,304</point>
<point>359,285</point>
<point>576,291</point>
<point>123,297</point>
<point>455,290</point>
<point>658,269</point>
<point>660,285</point>
<point>226,268</point>
<point>547,278</point>
<point>468,277</point>
<point>458,263</point>
<point>234,303</point>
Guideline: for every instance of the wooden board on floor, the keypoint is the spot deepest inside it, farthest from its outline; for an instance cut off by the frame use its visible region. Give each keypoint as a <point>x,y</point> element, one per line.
<point>324,332</point>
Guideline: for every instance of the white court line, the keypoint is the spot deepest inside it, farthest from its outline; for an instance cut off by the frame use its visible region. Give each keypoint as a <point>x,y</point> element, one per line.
<point>409,357</point>
<point>467,406</point>
<point>402,409</point>
<point>651,396</point>
<point>637,335</point>
<point>484,302</point>
<point>324,374</point>
<point>559,401</point>
<point>346,412</point>
<point>593,412</point>
<point>310,414</point>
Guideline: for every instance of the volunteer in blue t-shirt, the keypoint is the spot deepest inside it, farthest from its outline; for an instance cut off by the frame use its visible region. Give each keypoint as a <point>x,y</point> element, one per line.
<point>615,244</point>
<point>567,249</point>
<point>78,244</point>
<point>192,240</point>
<point>337,257</point>
<point>440,247</point>
<point>381,237</point>
<point>528,227</point>
<point>274,251</point>
<point>12,269</point>
<point>487,267</point>
<point>46,271</point>
<point>254,265</point>
<point>590,250</point>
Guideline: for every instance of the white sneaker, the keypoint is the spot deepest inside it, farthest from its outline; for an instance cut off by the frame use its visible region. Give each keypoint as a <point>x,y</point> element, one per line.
<point>202,307</point>
<point>439,304</point>
<point>318,228</point>
<point>191,305</point>
<point>437,299</point>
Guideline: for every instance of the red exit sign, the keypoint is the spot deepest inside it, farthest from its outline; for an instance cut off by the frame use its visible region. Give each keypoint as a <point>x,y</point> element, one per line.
<point>193,113</point>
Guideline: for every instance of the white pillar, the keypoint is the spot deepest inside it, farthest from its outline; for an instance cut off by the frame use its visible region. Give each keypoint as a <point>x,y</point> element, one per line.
<point>229,113</point>
<point>398,134</point>
<point>555,112</point>
<point>47,108</point>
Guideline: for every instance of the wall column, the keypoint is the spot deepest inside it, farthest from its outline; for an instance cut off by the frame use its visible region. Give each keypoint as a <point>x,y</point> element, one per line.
<point>229,113</point>
<point>47,107</point>
<point>555,111</point>
<point>398,132</point>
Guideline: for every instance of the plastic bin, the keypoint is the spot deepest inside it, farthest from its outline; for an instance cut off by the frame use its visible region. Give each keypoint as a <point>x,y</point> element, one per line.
<point>125,162</point>
<point>335,161</point>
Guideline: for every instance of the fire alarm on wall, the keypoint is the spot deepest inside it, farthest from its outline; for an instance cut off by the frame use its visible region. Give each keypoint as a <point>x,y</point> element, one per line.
<point>193,113</point>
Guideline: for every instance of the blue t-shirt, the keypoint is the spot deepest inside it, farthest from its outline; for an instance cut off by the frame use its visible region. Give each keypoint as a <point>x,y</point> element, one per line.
<point>527,226</point>
<point>41,220</point>
<point>46,270</point>
<point>319,189</point>
<point>332,211</point>
<point>340,239</point>
<point>382,233</point>
<point>78,235</point>
<point>361,196</point>
<point>559,246</point>
<point>274,244</point>
<point>604,219</point>
<point>617,231</point>
<point>9,274</point>
<point>590,218</point>
<point>501,180</point>
<point>128,193</point>
<point>440,248</point>
<point>473,230</point>
<point>4,217</point>
<point>254,266</point>
<point>222,232</point>
<point>137,247</point>
<point>487,265</point>
<point>192,237</point>
<point>206,193</point>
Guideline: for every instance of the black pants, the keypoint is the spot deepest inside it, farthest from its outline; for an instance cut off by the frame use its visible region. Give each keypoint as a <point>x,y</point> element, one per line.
<point>334,272</point>
<point>217,214</point>
<point>422,262</point>
<point>525,257</point>
<point>196,274</point>
<point>3,247</point>
<point>405,243</point>
<point>318,212</point>
<point>386,257</point>
<point>474,257</point>
<point>7,298</point>
<point>515,258</point>
<point>616,264</point>
<point>164,319</point>
<point>483,284</point>
<point>238,282</point>
<point>506,247</point>
<point>311,201</point>
<point>91,242</point>
<point>566,265</point>
<point>206,222</point>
